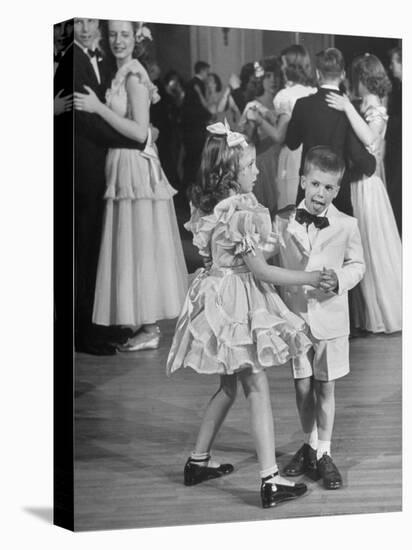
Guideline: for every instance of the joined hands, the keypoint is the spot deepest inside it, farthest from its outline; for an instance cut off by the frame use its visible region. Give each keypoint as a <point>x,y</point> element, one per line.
<point>328,280</point>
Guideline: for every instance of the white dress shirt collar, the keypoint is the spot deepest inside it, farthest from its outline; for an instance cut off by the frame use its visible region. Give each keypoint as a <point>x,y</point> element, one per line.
<point>330,87</point>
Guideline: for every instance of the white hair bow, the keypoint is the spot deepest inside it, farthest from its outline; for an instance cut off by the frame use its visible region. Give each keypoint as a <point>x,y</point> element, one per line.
<point>232,138</point>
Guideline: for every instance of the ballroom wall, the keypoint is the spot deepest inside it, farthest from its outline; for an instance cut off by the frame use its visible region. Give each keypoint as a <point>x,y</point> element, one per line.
<point>180,46</point>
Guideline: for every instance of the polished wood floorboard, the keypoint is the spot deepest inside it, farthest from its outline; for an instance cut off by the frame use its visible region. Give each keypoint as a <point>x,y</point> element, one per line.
<point>135,428</point>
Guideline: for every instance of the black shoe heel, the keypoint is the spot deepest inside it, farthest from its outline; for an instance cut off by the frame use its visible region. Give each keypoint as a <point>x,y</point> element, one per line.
<point>271,497</point>
<point>194,474</point>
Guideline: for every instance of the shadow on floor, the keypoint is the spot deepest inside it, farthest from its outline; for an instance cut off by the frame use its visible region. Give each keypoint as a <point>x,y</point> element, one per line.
<point>43,513</point>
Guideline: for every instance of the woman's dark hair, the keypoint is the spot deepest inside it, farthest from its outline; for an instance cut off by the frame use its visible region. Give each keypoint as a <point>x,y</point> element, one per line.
<point>269,65</point>
<point>218,174</point>
<point>298,67</point>
<point>246,73</point>
<point>368,70</point>
<point>217,80</point>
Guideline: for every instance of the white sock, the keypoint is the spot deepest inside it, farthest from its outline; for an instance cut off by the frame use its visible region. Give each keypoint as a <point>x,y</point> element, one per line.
<point>201,459</point>
<point>323,447</point>
<point>311,438</point>
<point>269,471</point>
<point>204,459</point>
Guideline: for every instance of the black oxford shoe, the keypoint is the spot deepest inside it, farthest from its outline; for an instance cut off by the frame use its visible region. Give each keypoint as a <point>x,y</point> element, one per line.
<point>329,473</point>
<point>303,462</point>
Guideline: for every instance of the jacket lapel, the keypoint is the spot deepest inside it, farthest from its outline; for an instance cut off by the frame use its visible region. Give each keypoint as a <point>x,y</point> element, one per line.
<point>325,235</point>
<point>298,235</point>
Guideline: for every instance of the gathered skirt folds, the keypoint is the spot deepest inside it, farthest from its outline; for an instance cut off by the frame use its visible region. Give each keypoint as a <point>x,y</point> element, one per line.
<point>381,307</point>
<point>141,275</point>
<point>230,321</point>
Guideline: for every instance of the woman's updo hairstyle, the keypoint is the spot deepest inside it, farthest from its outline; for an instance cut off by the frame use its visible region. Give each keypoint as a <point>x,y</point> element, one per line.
<point>297,65</point>
<point>368,70</point>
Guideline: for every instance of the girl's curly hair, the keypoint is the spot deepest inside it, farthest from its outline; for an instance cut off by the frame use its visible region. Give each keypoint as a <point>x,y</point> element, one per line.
<point>218,174</point>
<point>298,67</point>
<point>368,70</point>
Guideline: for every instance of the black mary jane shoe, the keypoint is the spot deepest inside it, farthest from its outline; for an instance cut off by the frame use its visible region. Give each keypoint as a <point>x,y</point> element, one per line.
<point>273,494</point>
<point>195,473</point>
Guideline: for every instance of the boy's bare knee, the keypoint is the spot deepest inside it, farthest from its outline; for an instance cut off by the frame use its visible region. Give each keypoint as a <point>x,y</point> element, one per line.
<point>325,390</point>
<point>304,386</point>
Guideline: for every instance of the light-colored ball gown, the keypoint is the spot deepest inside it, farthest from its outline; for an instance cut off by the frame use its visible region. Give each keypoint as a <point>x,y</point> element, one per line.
<point>141,276</point>
<point>382,284</point>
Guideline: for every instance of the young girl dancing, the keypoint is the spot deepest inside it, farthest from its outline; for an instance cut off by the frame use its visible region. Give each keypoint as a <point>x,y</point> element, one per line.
<point>233,322</point>
<point>381,285</point>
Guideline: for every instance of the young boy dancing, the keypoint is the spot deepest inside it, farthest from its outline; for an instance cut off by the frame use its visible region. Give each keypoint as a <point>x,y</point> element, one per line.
<point>317,235</point>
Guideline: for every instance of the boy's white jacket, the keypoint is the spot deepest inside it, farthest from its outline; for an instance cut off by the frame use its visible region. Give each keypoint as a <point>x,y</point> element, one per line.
<point>337,246</point>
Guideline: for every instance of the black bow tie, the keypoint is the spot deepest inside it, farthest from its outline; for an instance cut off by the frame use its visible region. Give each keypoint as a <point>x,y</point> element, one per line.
<point>303,216</point>
<point>94,53</point>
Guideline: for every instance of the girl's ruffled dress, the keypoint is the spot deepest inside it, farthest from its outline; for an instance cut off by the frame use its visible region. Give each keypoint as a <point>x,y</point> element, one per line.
<point>230,320</point>
<point>141,276</point>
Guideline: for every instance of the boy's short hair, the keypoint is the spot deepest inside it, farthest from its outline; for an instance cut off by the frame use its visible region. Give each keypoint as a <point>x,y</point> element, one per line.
<point>330,63</point>
<point>325,159</point>
<point>201,66</point>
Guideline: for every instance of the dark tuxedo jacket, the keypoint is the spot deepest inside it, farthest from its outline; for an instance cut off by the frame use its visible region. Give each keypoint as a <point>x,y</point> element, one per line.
<point>92,135</point>
<point>194,116</point>
<point>313,123</point>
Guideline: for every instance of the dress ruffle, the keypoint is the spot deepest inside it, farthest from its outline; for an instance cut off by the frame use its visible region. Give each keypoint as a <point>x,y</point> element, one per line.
<point>239,219</point>
<point>136,68</point>
<point>230,322</point>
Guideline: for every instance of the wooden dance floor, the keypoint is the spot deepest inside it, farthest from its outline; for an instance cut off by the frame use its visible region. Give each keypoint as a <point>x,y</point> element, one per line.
<point>135,428</point>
